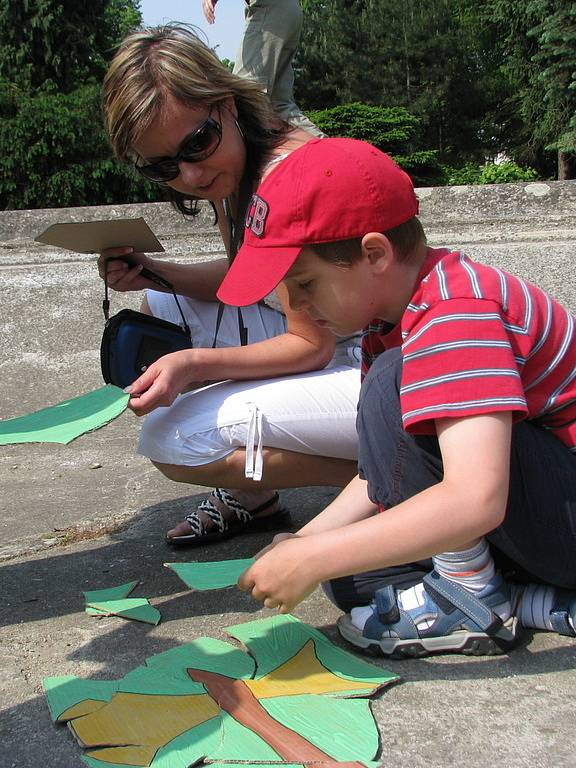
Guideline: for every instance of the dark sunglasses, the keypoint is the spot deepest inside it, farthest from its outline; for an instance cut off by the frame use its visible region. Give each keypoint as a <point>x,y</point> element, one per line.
<point>199,145</point>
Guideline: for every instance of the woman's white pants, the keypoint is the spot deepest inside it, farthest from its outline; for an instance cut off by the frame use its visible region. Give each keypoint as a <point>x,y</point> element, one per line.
<point>312,413</point>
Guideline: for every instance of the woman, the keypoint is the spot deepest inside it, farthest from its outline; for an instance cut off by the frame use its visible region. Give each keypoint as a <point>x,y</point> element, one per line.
<point>175,111</point>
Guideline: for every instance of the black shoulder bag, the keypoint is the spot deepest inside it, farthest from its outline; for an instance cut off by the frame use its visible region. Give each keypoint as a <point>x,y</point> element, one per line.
<point>133,340</point>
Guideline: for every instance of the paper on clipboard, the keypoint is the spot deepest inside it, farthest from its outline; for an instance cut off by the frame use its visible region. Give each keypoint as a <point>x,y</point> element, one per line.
<point>96,236</point>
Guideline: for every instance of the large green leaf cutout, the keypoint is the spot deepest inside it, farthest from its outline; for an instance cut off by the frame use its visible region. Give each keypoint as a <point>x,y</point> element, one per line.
<point>295,700</point>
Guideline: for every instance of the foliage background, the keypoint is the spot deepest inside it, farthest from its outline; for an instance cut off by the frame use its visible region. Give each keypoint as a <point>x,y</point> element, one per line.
<point>446,87</point>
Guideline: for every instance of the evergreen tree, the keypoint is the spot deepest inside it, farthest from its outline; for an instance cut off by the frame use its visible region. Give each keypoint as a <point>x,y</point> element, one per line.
<point>53,147</point>
<point>60,44</point>
<point>434,58</point>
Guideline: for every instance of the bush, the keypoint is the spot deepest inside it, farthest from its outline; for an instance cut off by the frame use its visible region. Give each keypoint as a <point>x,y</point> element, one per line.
<point>491,173</point>
<point>54,153</point>
<point>394,130</point>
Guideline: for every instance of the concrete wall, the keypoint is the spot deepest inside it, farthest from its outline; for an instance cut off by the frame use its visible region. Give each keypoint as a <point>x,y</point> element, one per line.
<point>50,314</point>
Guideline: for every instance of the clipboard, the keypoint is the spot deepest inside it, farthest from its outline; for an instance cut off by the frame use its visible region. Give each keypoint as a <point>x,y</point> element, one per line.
<point>96,236</point>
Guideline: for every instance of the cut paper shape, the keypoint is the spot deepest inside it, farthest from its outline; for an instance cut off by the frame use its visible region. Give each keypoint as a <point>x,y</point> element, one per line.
<point>110,593</point>
<point>136,608</point>
<point>97,236</point>
<point>211,575</point>
<point>210,701</point>
<point>66,421</point>
<point>114,601</point>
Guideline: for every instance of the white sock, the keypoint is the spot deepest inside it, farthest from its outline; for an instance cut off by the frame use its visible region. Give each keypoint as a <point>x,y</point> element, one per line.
<point>472,568</point>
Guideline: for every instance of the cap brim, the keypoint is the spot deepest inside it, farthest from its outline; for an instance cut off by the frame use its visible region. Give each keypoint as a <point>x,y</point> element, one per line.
<point>254,273</point>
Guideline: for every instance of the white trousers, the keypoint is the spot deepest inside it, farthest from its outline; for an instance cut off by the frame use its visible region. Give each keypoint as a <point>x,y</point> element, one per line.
<point>312,413</point>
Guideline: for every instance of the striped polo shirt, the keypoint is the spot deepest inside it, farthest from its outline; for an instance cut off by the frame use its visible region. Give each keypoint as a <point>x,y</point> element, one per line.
<point>476,340</point>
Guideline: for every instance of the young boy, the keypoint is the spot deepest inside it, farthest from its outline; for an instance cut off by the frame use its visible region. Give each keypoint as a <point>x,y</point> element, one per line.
<point>466,419</point>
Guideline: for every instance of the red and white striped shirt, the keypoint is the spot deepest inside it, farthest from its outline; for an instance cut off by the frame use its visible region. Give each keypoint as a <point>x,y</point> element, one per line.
<point>475,340</point>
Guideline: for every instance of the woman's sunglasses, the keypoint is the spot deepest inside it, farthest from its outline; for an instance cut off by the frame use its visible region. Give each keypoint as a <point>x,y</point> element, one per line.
<point>199,145</point>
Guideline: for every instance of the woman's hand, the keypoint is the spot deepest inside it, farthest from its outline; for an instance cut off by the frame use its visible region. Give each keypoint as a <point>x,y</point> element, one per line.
<point>163,381</point>
<point>283,576</point>
<point>121,276</point>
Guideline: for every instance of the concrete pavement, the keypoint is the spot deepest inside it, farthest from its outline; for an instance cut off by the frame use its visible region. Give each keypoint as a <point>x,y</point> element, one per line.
<point>92,514</point>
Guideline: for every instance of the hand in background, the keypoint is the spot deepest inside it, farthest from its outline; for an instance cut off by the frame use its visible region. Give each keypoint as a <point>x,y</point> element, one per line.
<point>208,7</point>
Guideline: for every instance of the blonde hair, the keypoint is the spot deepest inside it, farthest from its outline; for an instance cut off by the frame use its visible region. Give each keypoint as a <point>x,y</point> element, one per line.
<point>405,239</point>
<point>153,63</point>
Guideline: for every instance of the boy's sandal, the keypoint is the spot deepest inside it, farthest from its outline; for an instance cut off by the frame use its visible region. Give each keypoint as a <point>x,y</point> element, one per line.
<point>209,524</point>
<point>464,623</point>
<point>563,610</point>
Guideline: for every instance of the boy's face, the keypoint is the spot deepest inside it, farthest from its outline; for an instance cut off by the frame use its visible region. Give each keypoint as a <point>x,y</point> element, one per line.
<point>341,298</point>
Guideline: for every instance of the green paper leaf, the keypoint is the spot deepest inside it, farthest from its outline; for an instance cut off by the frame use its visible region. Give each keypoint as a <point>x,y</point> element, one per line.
<point>111,593</point>
<point>213,575</point>
<point>137,608</point>
<point>66,421</point>
<point>65,691</point>
<point>273,641</point>
<point>206,653</point>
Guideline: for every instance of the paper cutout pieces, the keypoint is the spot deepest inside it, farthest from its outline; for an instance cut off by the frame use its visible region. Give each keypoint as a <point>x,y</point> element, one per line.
<point>208,700</point>
<point>96,236</point>
<point>212,575</point>
<point>111,593</point>
<point>66,421</point>
<point>114,602</point>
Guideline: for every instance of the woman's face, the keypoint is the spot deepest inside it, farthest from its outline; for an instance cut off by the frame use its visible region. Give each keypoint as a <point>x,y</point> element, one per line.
<point>214,178</point>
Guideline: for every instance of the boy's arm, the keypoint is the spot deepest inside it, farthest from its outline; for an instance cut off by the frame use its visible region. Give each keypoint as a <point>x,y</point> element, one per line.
<point>351,504</point>
<point>469,502</point>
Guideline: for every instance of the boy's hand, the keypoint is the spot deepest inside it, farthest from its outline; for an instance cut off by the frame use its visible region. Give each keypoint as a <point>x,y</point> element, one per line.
<point>282,577</point>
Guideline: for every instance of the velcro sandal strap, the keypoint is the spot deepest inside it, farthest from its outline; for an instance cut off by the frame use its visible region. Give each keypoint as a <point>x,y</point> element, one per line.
<point>448,596</point>
<point>560,614</point>
<point>387,605</point>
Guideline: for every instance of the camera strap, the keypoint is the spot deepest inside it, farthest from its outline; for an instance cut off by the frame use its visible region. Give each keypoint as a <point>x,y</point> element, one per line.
<point>153,277</point>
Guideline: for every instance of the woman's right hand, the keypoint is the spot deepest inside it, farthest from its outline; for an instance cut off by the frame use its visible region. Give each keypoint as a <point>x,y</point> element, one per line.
<point>123,276</point>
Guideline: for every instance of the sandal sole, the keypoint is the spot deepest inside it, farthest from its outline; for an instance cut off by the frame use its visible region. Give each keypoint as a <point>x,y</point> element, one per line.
<point>467,643</point>
<point>280,520</point>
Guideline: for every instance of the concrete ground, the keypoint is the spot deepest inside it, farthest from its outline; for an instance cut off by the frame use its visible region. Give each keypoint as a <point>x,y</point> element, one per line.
<point>92,514</point>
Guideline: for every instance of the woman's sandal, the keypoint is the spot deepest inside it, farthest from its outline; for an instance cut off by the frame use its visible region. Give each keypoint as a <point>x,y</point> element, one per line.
<point>214,525</point>
<point>464,623</point>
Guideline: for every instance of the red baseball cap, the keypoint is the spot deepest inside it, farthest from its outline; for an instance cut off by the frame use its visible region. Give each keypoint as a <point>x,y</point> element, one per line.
<point>327,190</point>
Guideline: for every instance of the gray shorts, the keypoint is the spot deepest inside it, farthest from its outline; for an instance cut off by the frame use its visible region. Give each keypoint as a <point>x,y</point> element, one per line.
<point>536,541</point>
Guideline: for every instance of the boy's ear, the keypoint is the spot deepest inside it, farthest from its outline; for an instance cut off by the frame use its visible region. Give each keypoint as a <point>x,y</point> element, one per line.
<point>378,250</point>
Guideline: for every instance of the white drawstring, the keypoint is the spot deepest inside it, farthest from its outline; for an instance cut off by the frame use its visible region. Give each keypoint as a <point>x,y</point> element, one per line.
<point>254,462</point>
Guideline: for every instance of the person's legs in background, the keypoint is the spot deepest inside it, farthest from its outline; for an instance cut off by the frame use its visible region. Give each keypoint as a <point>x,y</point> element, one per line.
<point>266,53</point>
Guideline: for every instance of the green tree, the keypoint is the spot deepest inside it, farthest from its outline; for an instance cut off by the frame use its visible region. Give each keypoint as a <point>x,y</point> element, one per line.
<point>53,147</point>
<point>433,58</point>
<point>536,41</point>
<point>394,130</point>
<point>60,43</point>
<point>54,153</point>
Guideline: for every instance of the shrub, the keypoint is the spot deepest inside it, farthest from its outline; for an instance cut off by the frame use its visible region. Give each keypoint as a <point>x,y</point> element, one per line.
<point>394,130</point>
<point>54,153</point>
<point>491,173</point>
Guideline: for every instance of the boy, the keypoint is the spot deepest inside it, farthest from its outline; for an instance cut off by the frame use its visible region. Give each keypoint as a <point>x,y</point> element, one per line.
<point>466,419</point>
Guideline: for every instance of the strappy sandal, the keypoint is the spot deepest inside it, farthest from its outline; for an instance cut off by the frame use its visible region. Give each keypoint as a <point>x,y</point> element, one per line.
<point>234,520</point>
<point>464,623</point>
